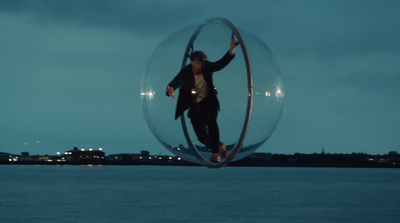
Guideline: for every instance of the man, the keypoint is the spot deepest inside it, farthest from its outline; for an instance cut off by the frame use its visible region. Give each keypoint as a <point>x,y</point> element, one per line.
<point>198,94</point>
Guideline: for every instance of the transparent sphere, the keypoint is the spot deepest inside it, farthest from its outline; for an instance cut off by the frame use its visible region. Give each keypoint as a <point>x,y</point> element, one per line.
<point>250,91</point>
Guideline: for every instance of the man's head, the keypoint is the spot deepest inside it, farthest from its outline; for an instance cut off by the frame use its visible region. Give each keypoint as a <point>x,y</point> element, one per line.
<point>197,59</point>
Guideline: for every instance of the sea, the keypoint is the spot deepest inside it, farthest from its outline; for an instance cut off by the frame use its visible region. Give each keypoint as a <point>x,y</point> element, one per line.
<point>96,193</point>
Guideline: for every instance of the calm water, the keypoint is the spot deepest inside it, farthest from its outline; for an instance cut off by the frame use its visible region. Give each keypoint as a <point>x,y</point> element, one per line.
<point>197,194</point>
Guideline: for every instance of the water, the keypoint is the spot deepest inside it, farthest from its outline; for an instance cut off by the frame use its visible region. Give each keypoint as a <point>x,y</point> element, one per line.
<point>35,193</point>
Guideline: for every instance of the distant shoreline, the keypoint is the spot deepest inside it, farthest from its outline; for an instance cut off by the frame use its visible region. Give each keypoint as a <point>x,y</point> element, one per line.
<point>97,157</point>
<point>239,163</point>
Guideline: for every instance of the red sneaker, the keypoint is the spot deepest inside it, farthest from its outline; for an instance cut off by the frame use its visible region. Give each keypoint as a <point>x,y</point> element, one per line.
<point>215,158</point>
<point>222,150</point>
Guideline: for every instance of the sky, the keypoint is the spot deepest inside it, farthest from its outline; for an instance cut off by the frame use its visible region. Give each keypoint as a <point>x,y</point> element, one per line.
<point>70,71</point>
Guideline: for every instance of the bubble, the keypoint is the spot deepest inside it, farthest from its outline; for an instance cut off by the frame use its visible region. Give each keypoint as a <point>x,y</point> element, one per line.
<point>250,91</point>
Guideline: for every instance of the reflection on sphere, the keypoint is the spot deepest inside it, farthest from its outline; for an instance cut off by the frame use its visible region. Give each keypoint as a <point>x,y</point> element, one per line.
<point>232,86</point>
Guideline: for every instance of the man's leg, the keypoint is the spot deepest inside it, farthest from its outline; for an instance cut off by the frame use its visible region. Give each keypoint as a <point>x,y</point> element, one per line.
<point>198,118</point>
<point>213,131</point>
<point>204,120</point>
<point>200,128</point>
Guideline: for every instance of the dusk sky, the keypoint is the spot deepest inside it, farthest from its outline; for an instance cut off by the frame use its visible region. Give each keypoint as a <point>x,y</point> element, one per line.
<point>71,70</point>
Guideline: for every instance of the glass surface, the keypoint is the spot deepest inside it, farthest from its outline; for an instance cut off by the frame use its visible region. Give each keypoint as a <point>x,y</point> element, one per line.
<point>232,85</point>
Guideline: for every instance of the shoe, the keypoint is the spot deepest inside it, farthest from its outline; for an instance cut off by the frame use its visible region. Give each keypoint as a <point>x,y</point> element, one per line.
<point>215,158</point>
<point>222,150</point>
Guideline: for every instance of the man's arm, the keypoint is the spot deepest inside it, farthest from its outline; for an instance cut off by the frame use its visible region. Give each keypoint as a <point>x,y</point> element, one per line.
<point>234,43</point>
<point>221,63</point>
<point>170,91</point>
<point>177,82</point>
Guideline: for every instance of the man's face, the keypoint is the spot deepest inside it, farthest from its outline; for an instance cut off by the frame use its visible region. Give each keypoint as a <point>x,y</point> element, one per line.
<point>196,66</point>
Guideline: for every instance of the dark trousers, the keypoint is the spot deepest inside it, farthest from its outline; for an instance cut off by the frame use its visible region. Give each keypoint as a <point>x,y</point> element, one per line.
<point>203,116</point>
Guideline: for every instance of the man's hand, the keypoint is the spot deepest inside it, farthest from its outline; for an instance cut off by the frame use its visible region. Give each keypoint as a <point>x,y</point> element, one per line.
<point>234,43</point>
<point>170,91</point>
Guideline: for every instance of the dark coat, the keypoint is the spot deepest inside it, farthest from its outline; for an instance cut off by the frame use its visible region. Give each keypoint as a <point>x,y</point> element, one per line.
<point>185,81</point>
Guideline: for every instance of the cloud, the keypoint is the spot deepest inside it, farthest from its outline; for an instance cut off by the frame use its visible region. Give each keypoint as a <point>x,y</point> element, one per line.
<point>332,29</point>
<point>135,16</point>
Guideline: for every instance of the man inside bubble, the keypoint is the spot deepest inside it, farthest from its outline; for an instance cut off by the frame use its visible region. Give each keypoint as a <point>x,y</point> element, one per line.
<point>198,94</point>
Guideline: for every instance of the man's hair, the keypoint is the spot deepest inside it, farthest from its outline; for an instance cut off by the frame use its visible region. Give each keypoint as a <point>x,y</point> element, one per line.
<point>198,55</point>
